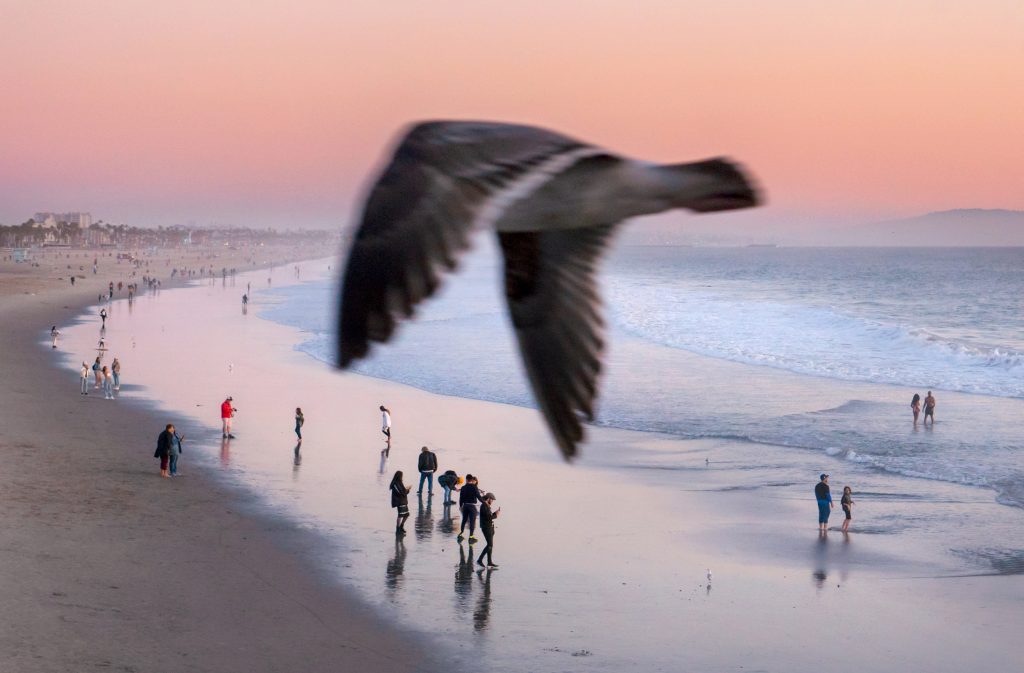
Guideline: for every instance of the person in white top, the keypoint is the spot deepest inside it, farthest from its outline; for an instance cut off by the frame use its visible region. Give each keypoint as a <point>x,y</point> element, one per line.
<point>84,373</point>
<point>385,427</point>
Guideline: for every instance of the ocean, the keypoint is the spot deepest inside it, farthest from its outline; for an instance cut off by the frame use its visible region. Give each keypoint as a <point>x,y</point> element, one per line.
<point>813,349</point>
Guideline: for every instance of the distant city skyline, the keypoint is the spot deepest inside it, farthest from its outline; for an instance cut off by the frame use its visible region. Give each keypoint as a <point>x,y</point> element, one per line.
<point>278,115</point>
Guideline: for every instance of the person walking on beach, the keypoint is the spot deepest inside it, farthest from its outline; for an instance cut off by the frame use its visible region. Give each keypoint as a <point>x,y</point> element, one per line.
<point>227,412</point>
<point>915,406</point>
<point>97,373</point>
<point>53,335</point>
<point>84,373</point>
<point>449,481</point>
<point>163,449</point>
<point>385,427</point>
<point>469,496</point>
<point>487,517</point>
<point>108,384</point>
<point>427,467</point>
<point>929,408</point>
<point>400,501</point>
<point>103,317</point>
<point>299,421</point>
<point>115,369</point>
<point>847,503</point>
<point>174,451</point>
<point>823,494</point>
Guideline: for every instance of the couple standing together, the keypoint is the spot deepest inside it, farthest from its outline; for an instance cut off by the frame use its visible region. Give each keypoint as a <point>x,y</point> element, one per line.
<point>929,407</point>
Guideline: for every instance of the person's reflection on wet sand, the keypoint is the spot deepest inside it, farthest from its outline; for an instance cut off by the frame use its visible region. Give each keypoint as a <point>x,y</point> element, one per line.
<point>820,573</point>
<point>424,520</point>
<point>482,613</point>
<point>447,524</point>
<point>396,567</point>
<point>464,576</point>
<point>225,451</point>
<point>297,461</point>
<point>383,463</point>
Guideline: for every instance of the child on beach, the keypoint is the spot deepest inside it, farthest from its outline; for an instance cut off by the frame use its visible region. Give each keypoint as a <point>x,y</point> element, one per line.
<point>54,334</point>
<point>299,421</point>
<point>400,501</point>
<point>847,503</point>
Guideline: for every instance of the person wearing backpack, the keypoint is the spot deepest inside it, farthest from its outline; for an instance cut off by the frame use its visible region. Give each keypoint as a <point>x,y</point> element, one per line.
<point>427,467</point>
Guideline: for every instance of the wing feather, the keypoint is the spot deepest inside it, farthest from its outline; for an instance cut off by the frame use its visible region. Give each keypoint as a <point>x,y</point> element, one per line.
<point>444,180</point>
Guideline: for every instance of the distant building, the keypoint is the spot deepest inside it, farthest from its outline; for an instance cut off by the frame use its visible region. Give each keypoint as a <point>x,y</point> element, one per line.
<point>82,220</point>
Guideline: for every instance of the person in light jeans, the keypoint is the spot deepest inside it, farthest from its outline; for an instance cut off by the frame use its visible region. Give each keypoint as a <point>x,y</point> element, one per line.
<point>108,384</point>
<point>84,374</point>
<point>115,368</point>
<point>175,451</point>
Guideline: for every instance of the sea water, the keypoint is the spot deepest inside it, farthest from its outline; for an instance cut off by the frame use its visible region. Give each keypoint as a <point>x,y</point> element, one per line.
<point>815,349</point>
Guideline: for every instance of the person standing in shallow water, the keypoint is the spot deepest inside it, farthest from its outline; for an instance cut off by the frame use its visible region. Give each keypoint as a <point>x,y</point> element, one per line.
<point>847,503</point>
<point>300,420</point>
<point>915,406</point>
<point>400,501</point>
<point>823,494</point>
<point>929,408</point>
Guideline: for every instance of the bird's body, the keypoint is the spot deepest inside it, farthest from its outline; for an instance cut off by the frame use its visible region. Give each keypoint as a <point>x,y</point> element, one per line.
<point>553,202</point>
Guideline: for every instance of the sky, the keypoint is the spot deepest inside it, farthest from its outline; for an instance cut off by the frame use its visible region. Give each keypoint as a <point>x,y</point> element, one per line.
<point>267,113</point>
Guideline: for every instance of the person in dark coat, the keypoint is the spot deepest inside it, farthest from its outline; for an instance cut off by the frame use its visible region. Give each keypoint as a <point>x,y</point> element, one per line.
<point>163,448</point>
<point>400,501</point>
<point>487,517</point>
<point>427,466</point>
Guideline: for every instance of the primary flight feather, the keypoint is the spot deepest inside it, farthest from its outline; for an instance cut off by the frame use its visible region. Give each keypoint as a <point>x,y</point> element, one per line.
<point>554,202</point>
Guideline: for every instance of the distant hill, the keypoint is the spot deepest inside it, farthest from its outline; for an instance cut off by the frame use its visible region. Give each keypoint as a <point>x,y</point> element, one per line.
<point>963,227</point>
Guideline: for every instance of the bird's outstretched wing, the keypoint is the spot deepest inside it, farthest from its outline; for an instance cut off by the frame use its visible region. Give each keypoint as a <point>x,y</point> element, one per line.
<point>445,180</point>
<point>555,309</point>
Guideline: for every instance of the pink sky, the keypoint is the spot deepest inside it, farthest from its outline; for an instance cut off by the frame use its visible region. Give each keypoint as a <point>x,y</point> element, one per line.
<point>276,113</point>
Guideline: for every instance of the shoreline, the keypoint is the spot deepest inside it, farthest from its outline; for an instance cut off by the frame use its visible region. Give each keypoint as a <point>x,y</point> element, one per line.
<point>105,566</point>
<point>751,535</point>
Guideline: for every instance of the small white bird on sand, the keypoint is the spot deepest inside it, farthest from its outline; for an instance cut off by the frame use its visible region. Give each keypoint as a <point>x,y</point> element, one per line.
<point>709,575</point>
<point>554,202</point>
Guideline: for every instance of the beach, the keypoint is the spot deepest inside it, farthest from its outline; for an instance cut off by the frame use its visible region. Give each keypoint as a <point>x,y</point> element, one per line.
<point>105,570</point>
<point>603,562</point>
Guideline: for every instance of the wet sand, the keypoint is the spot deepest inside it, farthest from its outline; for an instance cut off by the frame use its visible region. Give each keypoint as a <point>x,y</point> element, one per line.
<point>107,567</point>
<point>603,562</point>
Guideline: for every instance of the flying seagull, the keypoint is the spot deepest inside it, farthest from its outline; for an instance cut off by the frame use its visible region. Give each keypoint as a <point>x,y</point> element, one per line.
<point>554,202</point>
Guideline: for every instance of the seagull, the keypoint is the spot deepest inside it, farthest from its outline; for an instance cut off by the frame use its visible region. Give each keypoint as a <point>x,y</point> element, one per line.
<point>554,203</point>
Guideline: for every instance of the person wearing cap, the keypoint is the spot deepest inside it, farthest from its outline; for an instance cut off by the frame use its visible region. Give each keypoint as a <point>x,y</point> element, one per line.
<point>487,517</point>
<point>823,495</point>
<point>227,412</point>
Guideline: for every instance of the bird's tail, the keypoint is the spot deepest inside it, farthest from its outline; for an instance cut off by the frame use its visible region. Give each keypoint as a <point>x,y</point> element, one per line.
<point>721,185</point>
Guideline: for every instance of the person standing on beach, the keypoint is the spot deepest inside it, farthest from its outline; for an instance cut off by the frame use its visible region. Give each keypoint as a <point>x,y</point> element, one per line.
<point>84,373</point>
<point>115,369</point>
<point>97,373</point>
<point>823,494</point>
<point>108,384</point>
<point>400,501</point>
<point>847,503</point>
<point>163,449</point>
<point>103,317</point>
<point>174,451</point>
<point>487,517</point>
<point>427,467</point>
<point>53,335</point>
<point>469,496</point>
<point>300,420</point>
<point>227,412</point>
<point>915,406</point>
<point>385,427</point>
<point>929,408</point>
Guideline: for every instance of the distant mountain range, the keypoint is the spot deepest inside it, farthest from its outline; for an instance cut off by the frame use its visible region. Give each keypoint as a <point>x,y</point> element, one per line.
<point>962,227</point>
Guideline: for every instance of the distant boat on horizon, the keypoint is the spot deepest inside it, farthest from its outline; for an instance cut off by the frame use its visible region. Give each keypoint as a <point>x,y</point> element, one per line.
<point>762,245</point>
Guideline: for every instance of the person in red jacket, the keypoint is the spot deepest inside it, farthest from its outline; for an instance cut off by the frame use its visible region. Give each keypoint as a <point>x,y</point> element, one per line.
<point>227,411</point>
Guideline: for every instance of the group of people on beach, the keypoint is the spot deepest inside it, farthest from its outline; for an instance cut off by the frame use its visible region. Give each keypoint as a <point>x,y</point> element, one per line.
<point>929,407</point>
<point>474,503</point>
<point>823,495</point>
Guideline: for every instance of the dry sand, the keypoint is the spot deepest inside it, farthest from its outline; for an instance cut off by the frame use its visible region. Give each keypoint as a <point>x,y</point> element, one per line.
<point>101,569</point>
